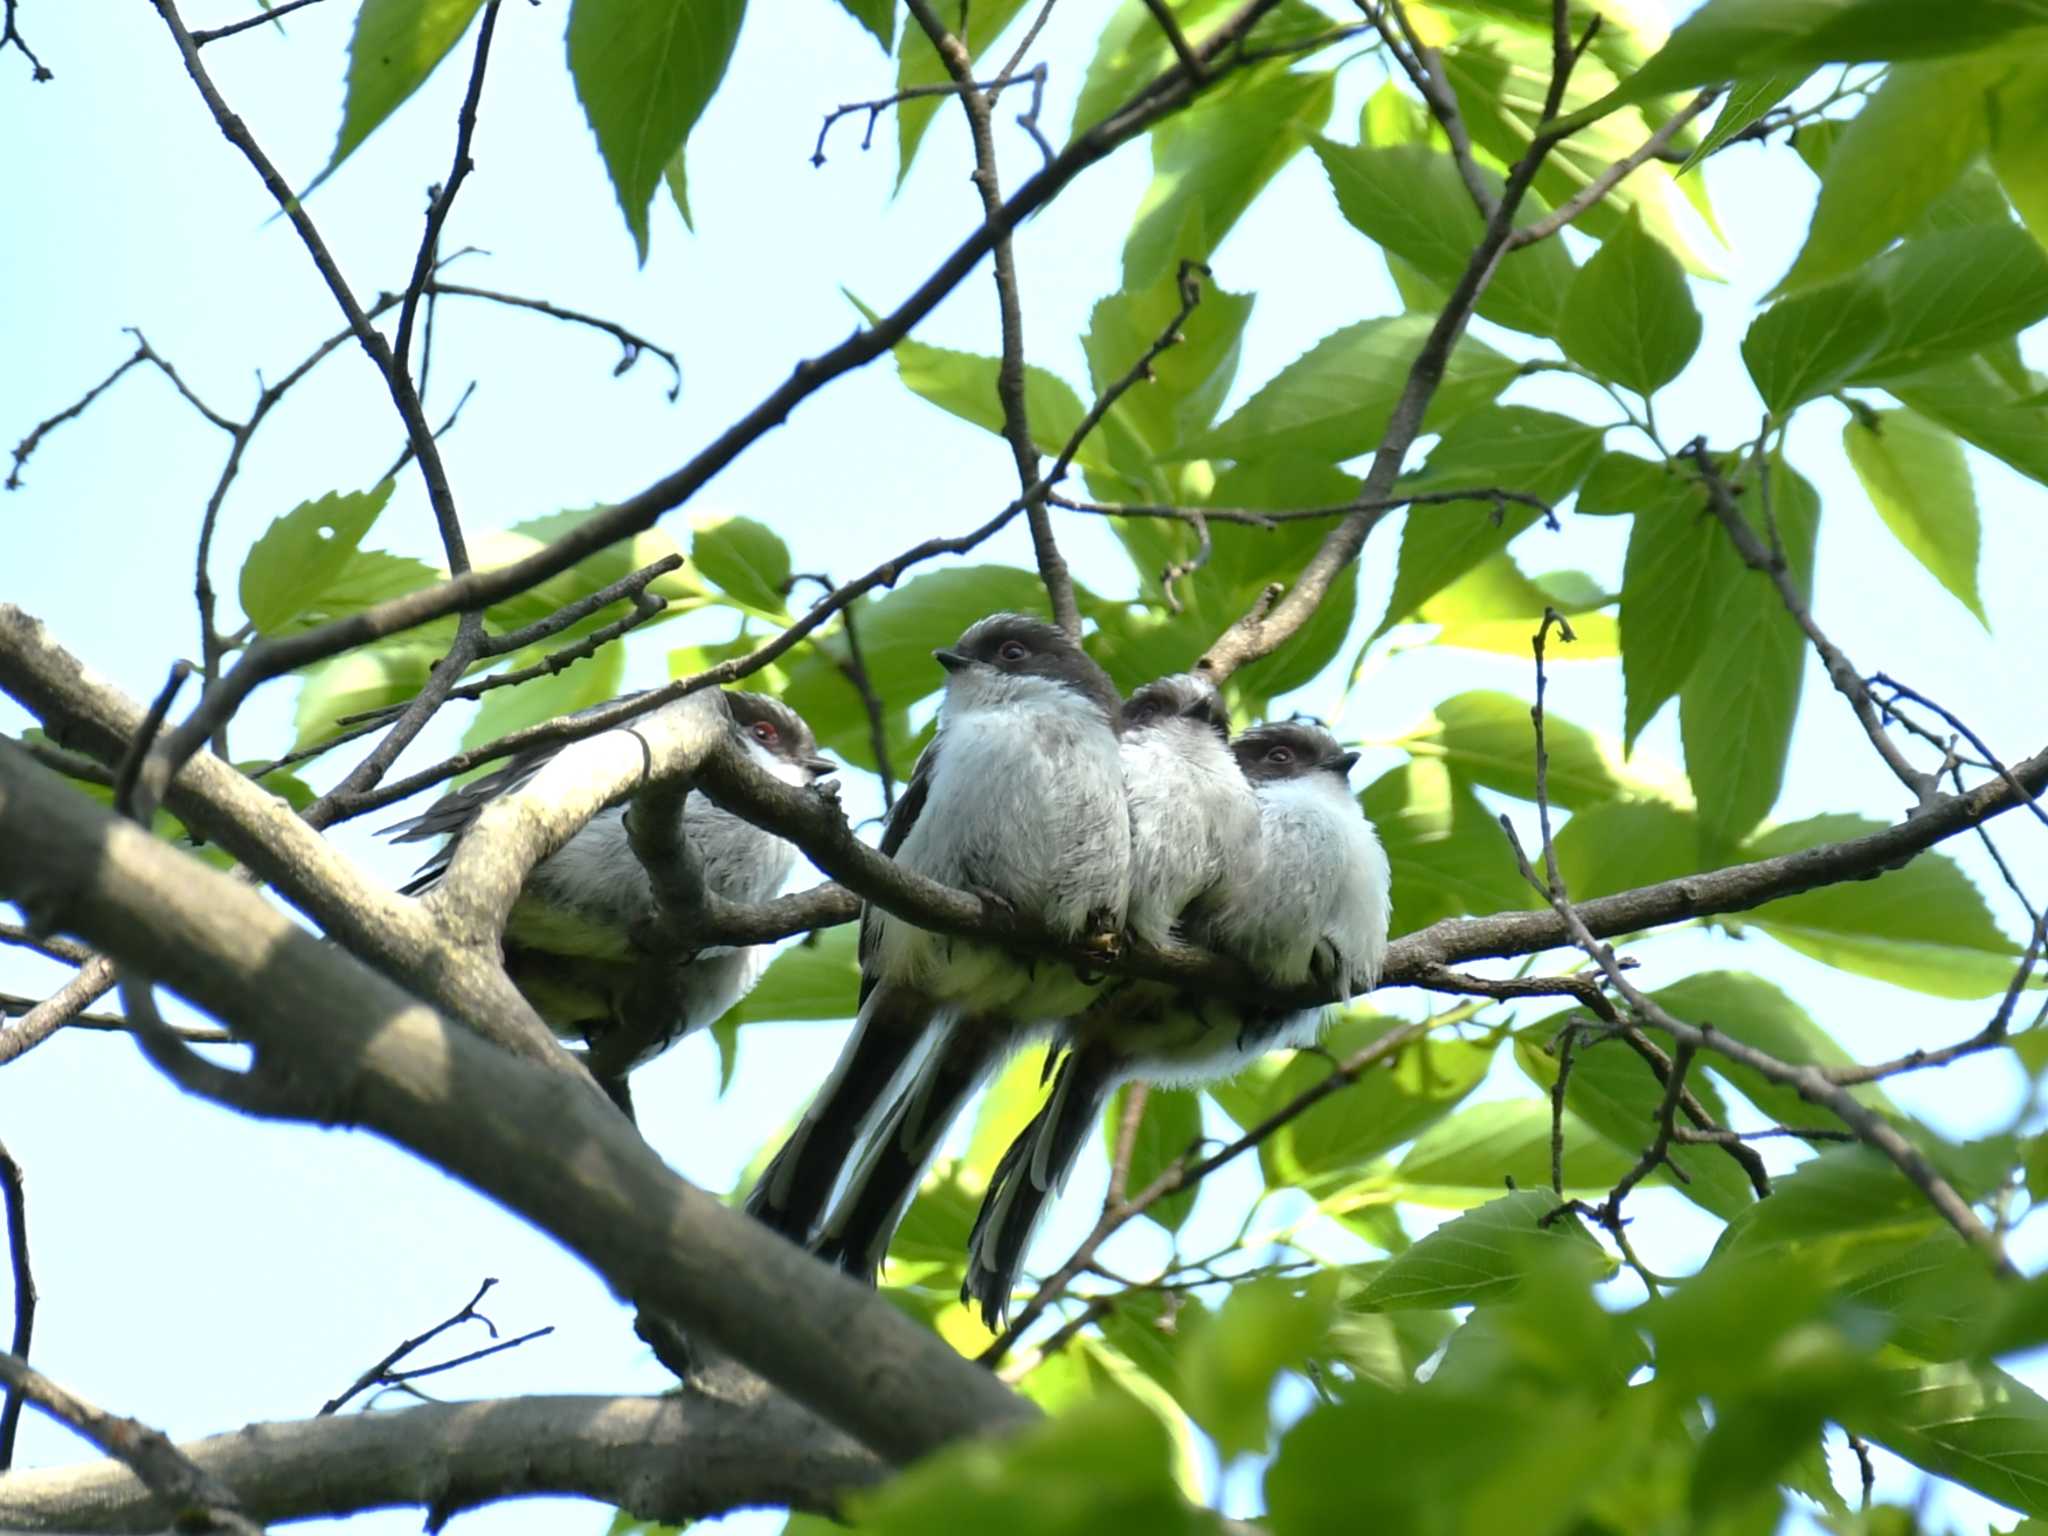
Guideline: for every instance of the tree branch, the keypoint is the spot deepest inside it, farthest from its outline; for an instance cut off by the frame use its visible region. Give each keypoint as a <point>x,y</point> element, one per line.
<point>346,1047</point>
<point>668,1459</point>
<point>1052,565</point>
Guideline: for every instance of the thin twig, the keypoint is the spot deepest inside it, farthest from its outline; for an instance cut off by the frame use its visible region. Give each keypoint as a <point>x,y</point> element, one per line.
<point>382,1375</point>
<point>275,656</point>
<point>1183,1174</point>
<point>1771,562</point>
<point>10,33</point>
<point>1610,178</point>
<point>1052,565</point>
<point>215,34</point>
<point>16,1201</point>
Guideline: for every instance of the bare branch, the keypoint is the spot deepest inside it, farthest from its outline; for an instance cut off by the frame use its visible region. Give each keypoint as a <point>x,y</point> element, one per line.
<point>1052,566</point>
<point>1609,179</point>
<point>11,34</point>
<point>274,13</point>
<point>182,1488</point>
<point>350,1048</point>
<point>16,1201</point>
<point>385,1374</point>
<point>671,1459</point>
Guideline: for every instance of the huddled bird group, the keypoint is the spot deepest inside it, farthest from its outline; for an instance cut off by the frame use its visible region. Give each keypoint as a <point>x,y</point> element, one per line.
<point>1091,819</point>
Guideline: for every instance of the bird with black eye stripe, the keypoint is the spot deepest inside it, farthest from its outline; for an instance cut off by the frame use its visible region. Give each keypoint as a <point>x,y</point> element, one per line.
<point>570,943</point>
<point>1307,902</point>
<point>1020,799</point>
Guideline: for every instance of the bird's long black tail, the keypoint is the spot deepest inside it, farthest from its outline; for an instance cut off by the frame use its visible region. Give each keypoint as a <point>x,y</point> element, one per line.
<point>1031,1172</point>
<point>858,1232</point>
<point>797,1184</point>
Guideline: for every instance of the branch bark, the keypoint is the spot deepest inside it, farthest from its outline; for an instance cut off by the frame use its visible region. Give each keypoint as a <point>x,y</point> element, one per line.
<point>346,1047</point>
<point>671,1459</point>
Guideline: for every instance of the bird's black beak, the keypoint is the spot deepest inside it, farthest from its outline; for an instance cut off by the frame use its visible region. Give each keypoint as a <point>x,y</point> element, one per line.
<point>952,661</point>
<point>820,766</point>
<point>1340,763</point>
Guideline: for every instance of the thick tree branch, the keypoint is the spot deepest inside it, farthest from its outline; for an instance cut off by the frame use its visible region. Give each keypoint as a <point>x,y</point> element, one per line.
<point>669,1459</point>
<point>260,830</point>
<point>191,1496</point>
<point>347,1047</point>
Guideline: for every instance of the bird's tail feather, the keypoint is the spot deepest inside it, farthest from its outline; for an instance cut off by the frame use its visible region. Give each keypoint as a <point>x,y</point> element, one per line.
<point>857,1236</point>
<point>1032,1171</point>
<point>796,1186</point>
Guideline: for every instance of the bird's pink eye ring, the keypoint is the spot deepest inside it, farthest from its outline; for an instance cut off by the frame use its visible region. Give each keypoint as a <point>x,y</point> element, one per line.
<point>1280,755</point>
<point>764,733</point>
<point>1013,650</point>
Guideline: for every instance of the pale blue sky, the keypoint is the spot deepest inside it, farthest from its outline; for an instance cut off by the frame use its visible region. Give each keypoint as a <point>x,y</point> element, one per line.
<point>166,1294</point>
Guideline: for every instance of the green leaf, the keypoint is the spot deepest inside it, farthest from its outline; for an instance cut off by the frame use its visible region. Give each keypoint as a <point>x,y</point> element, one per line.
<point>1488,739</point>
<point>1170,1125</point>
<point>1629,316</point>
<point>899,633</point>
<point>592,573</point>
<point>816,978</point>
<point>358,681</point>
<point>593,680</point>
<point>1332,402</point>
<point>1483,1255</point>
<point>1970,398</point>
<point>963,384</point>
<point>1447,853</point>
<point>395,47</point>
<point>1902,151</point>
<point>1229,1365</point>
<point>1327,1146</point>
<point>1463,1160</point>
<point>1133,50</point>
<point>1746,102</point>
<point>1511,447</point>
<point>1613,1090</point>
<point>744,559</point>
<point>1924,926</point>
<point>1210,161</point>
<point>1189,379</point>
<point>1494,607</point>
<point>1915,475</point>
<point>1501,75</point>
<point>1749,1009</point>
<point>1411,200</point>
<point>1812,343</point>
<point>369,577</point>
<point>878,16</point>
<point>1973,1424</point>
<point>2020,130</point>
<point>1677,576</point>
<point>644,71</point>
<point>1726,39</point>
<point>1624,844</point>
<point>303,553</point>
<point>918,66</point>
<point>1956,291</point>
<point>1103,1466</point>
<point>1622,484</point>
<point>1736,708</point>
<point>1842,1209</point>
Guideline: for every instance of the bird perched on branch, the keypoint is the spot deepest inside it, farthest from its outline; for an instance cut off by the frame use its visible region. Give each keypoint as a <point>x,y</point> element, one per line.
<point>1020,799</point>
<point>1194,829</point>
<point>574,941</point>
<point>1311,906</point>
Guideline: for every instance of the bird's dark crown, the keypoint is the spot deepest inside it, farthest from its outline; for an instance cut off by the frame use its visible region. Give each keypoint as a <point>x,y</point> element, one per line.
<point>1021,645</point>
<point>1289,749</point>
<point>1183,695</point>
